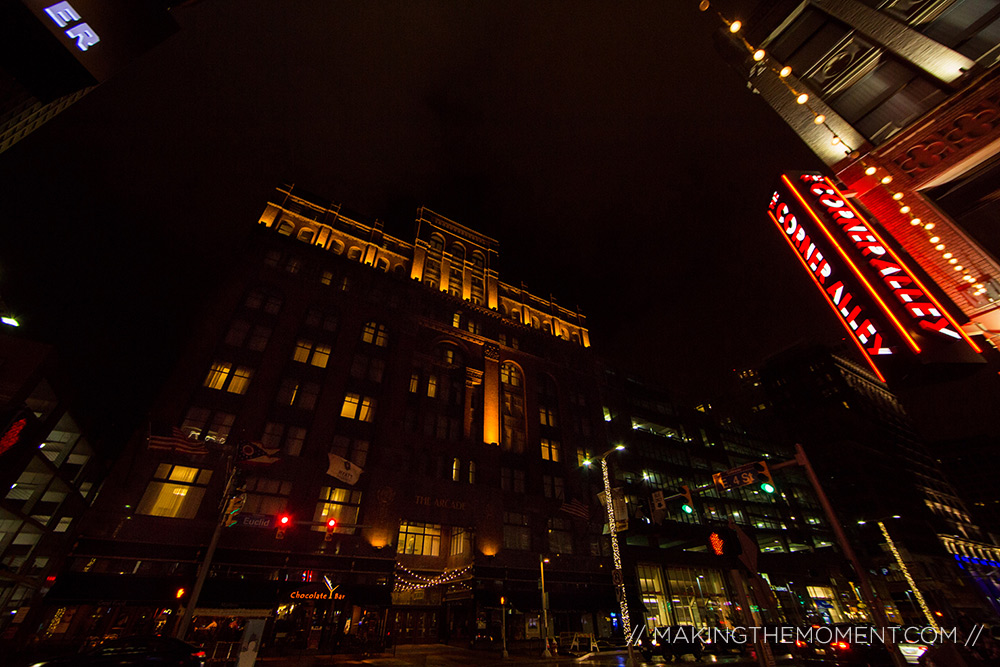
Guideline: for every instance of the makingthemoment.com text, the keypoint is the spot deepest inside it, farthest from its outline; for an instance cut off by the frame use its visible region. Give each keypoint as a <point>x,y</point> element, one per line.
<point>860,634</point>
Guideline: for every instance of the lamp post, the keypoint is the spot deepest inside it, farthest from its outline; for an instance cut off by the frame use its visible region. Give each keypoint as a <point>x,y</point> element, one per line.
<point>546,653</point>
<point>617,575</point>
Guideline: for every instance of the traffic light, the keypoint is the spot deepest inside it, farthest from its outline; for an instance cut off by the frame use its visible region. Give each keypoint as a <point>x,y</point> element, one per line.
<point>330,525</point>
<point>284,521</point>
<point>688,505</point>
<point>233,509</point>
<point>762,476</point>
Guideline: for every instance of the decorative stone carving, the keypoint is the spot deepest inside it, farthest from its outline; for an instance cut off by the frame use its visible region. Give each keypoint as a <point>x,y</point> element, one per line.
<point>491,352</point>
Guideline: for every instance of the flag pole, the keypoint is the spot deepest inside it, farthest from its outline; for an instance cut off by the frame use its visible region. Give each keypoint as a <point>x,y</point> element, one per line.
<point>188,614</point>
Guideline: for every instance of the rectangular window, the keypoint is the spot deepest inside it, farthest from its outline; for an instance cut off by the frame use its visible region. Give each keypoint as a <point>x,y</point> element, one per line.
<point>414,382</point>
<point>288,439</point>
<point>298,394</point>
<point>375,334</point>
<point>460,542</point>
<point>355,451</point>
<point>237,333</point>
<point>358,407</point>
<point>420,539</point>
<point>224,376</point>
<point>326,277</point>
<point>516,531</point>
<point>266,496</point>
<point>205,424</point>
<point>340,504</point>
<point>560,536</point>
<point>550,450</point>
<point>582,455</point>
<point>553,487</point>
<point>314,354</point>
<point>364,367</point>
<point>432,387</point>
<point>512,480</point>
<point>478,293</point>
<point>175,492</point>
<point>547,416</point>
<point>474,327</point>
<point>456,320</point>
<point>259,336</point>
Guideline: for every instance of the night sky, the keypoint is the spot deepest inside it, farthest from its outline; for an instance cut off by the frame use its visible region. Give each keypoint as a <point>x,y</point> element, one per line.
<point>621,164</point>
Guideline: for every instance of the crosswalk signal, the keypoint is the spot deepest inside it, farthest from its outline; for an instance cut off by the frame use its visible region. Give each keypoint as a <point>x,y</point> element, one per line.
<point>330,525</point>
<point>762,476</point>
<point>284,521</point>
<point>688,505</point>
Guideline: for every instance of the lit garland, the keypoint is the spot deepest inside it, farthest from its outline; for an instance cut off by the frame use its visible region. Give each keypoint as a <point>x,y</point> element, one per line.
<point>783,72</point>
<point>626,622</point>
<point>428,582</point>
<point>909,579</point>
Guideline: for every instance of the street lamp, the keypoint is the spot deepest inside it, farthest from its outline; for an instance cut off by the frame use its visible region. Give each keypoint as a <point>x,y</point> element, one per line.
<point>545,609</point>
<point>617,576</point>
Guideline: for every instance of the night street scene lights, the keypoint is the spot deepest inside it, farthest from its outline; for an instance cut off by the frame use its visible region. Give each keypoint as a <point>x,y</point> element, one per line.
<point>618,576</point>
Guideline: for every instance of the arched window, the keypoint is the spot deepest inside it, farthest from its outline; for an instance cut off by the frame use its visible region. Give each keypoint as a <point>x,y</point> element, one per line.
<point>457,253</point>
<point>382,264</point>
<point>437,243</point>
<point>478,261</point>
<point>448,354</point>
<point>286,228</point>
<point>456,470</point>
<point>534,322</point>
<point>337,247</point>
<point>512,408</point>
<point>306,234</point>
<point>515,315</point>
<point>354,253</point>
<point>472,472</point>
<point>546,327</point>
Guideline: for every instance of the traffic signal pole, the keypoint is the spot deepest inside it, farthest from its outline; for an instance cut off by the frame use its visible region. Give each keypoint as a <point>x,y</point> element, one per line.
<point>206,562</point>
<point>867,592</point>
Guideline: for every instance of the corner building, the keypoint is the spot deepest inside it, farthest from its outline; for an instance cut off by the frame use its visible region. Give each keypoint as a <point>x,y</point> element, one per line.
<point>468,405</point>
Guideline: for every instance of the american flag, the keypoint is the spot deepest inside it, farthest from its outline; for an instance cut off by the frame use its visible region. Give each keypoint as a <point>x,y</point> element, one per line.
<point>177,441</point>
<point>576,508</point>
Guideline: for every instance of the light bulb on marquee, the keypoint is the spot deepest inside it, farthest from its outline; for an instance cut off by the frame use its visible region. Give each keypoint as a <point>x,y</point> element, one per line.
<point>835,140</point>
<point>898,196</point>
<point>947,255</point>
<point>802,99</point>
<point>916,221</point>
<point>934,239</point>
<point>819,119</point>
<point>929,226</point>
<point>904,209</point>
<point>735,26</point>
<point>886,180</point>
<point>870,171</point>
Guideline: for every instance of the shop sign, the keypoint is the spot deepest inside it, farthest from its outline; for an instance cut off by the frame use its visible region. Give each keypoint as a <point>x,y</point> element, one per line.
<point>445,503</point>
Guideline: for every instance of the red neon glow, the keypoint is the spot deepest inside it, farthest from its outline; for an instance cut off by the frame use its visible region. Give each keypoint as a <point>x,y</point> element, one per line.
<point>912,276</point>
<point>284,519</point>
<point>853,337</point>
<point>717,544</point>
<point>180,593</point>
<point>12,435</point>
<point>857,272</point>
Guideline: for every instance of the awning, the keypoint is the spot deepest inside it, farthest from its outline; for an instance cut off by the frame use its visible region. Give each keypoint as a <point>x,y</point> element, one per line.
<point>89,588</point>
<point>227,613</point>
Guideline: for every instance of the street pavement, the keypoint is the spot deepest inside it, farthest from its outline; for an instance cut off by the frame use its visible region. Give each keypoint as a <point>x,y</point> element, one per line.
<point>440,655</point>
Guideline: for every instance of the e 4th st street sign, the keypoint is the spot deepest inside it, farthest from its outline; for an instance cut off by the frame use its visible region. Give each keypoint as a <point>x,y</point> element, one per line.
<point>735,477</point>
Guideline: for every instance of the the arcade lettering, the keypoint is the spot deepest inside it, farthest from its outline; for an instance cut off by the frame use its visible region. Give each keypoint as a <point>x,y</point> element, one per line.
<point>445,503</point>
<point>897,279</point>
<point>866,331</point>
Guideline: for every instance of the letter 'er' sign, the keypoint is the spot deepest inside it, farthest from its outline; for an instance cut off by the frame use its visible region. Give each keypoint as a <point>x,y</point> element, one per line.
<point>63,14</point>
<point>883,305</point>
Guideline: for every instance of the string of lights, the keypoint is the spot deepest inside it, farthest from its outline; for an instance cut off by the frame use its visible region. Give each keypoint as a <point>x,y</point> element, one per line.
<point>909,579</point>
<point>427,582</point>
<point>871,168</point>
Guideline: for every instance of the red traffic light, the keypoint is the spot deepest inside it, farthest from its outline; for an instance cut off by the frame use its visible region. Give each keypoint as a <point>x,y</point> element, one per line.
<point>332,523</point>
<point>284,519</point>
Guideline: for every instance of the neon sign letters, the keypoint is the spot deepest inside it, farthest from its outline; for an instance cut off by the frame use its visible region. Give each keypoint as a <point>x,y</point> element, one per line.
<point>878,299</point>
<point>62,14</point>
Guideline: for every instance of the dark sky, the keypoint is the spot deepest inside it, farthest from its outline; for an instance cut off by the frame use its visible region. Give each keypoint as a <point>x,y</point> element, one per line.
<point>620,163</point>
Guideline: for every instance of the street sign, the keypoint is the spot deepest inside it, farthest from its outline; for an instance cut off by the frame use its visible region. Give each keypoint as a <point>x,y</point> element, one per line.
<point>617,578</point>
<point>736,477</point>
<point>658,502</point>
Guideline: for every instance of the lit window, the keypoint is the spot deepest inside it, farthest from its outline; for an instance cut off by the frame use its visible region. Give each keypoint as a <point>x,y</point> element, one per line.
<point>358,407</point>
<point>314,354</point>
<point>460,542</point>
<point>175,492</point>
<point>420,539</point>
<point>456,470</point>
<point>582,455</point>
<point>326,277</point>
<point>340,504</point>
<point>550,450</point>
<point>547,416</point>
<point>472,472</point>
<point>414,382</point>
<point>375,334</point>
<point>432,387</point>
<point>456,320</point>
<point>224,376</point>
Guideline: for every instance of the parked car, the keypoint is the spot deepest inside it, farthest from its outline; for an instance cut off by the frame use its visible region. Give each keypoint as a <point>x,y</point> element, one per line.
<point>672,641</point>
<point>155,650</point>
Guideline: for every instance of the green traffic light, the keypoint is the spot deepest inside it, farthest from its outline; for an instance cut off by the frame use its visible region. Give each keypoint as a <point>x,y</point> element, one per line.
<point>766,488</point>
<point>687,508</point>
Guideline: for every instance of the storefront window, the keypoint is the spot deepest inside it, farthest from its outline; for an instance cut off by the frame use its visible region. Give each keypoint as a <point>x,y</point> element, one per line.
<point>421,539</point>
<point>685,596</point>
